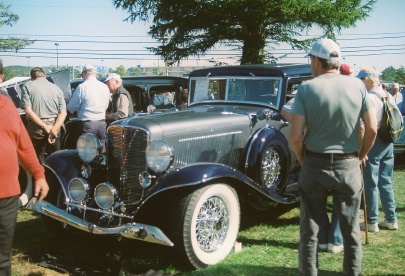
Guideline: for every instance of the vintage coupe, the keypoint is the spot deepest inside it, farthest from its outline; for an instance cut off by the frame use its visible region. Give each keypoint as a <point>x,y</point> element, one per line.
<point>181,178</point>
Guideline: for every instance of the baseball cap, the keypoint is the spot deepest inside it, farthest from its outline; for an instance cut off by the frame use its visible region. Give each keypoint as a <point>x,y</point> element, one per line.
<point>363,74</point>
<point>113,76</point>
<point>345,69</point>
<point>395,85</point>
<point>324,47</point>
<point>89,68</point>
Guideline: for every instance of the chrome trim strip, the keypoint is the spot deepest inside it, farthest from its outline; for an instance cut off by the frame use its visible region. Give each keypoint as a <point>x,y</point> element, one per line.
<point>133,230</point>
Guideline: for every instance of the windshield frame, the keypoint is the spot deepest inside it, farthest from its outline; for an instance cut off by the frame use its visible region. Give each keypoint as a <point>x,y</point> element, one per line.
<point>236,89</point>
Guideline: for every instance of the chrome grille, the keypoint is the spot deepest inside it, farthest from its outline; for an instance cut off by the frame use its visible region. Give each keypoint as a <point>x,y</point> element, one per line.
<point>126,159</point>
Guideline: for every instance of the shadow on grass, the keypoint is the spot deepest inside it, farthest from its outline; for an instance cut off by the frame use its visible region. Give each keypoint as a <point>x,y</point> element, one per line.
<point>400,161</point>
<point>251,217</point>
<point>87,254</point>
<point>254,270</point>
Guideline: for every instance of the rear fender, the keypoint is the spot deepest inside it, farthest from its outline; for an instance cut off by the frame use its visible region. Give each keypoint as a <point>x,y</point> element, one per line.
<point>253,154</point>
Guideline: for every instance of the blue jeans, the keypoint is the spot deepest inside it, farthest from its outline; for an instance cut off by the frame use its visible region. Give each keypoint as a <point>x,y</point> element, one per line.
<point>318,176</point>
<point>330,232</point>
<point>378,179</point>
<point>8,220</point>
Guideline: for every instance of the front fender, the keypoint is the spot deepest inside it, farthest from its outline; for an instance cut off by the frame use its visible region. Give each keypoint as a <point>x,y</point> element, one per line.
<point>199,174</point>
<point>65,165</point>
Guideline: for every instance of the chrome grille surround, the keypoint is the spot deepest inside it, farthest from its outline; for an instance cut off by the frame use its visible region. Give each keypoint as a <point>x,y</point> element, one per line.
<point>126,160</point>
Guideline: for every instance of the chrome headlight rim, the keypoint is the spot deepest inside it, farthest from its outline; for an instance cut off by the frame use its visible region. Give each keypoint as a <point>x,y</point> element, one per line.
<point>159,155</point>
<point>88,147</point>
<point>78,190</point>
<point>105,195</point>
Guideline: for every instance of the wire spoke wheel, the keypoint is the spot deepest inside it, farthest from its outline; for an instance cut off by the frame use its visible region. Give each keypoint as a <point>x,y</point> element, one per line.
<point>206,224</point>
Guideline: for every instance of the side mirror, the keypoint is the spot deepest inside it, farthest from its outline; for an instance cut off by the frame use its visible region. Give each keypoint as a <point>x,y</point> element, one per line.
<point>265,114</point>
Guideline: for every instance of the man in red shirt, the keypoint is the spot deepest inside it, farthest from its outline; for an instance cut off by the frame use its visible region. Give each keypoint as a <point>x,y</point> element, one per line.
<point>15,146</point>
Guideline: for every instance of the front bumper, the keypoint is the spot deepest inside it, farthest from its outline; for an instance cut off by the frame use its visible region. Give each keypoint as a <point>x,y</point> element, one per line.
<point>137,231</point>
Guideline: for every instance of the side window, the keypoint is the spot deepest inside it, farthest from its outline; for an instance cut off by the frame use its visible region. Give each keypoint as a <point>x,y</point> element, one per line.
<point>163,97</point>
<point>292,86</point>
<point>136,96</point>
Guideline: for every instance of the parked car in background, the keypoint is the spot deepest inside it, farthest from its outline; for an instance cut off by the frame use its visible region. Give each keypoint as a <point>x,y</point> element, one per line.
<point>13,87</point>
<point>181,178</point>
<point>160,91</point>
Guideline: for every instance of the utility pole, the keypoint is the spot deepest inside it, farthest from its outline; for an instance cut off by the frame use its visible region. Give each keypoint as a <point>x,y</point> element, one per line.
<point>57,56</point>
<point>102,66</point>
<point>28,59</point>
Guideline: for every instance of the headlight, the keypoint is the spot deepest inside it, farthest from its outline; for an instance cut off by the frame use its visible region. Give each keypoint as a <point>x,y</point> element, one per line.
<point>78,190</point>
<point>159,155</point>
<point>105,195</point>
<point>88,147</point>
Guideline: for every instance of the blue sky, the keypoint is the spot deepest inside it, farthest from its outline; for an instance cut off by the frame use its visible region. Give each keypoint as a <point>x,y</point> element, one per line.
<point>378,41</point>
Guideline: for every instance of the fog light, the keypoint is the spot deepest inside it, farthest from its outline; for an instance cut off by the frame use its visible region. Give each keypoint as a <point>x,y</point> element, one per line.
<point>105,195</point>
<point>85,170</point>
<point>145,179</point>
<point>78,190</point>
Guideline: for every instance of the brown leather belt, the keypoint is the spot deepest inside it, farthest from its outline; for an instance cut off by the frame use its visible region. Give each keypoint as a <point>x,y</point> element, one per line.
<point>335,156</point>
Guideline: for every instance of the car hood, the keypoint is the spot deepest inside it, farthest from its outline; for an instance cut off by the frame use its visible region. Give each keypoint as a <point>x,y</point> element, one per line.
<point>202,119</point>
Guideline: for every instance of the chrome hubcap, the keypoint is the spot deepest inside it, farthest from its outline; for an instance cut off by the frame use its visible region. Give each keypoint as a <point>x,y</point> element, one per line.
<point>271,168</point>
<point>212,224</point>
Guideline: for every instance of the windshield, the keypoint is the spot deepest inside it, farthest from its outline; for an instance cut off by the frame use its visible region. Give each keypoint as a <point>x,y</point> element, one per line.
<point>243,89</point>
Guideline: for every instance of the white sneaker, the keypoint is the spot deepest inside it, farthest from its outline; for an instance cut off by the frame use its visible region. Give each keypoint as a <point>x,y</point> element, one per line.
<point>372,227</point>
<point>389,225</point>
<point>335,248</point>
<point>322,246</point>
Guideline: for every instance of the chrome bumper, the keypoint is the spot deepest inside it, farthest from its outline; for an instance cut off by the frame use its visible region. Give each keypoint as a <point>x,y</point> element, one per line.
<point>134,230</point>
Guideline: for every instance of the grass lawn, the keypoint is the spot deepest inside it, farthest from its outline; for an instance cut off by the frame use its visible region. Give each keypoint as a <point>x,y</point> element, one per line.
<point>269,247</point>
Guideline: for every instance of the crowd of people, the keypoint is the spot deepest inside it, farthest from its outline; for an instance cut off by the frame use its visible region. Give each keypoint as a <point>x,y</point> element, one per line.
<point>46,111</point>
<point>332,155</point>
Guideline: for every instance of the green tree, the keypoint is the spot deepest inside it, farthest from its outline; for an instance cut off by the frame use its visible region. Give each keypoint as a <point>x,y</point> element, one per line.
<point>121,70</point>
<point>191,28</point>
<point>133,71</point>
<point>390,74</point>
<point>16,71</point>
<point>11,43</point>
<point>157,72</point>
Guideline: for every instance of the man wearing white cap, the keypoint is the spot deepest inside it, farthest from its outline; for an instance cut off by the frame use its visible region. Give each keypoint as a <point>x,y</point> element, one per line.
<point>398,97</point>
<point>121,103</point>
<point>330,106</point>
<point>90,101</point>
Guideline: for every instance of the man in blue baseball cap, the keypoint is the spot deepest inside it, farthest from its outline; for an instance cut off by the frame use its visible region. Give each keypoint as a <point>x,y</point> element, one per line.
<point>379,167</point>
